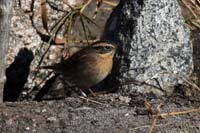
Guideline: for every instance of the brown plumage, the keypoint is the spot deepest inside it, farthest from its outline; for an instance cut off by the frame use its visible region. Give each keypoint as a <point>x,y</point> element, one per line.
<point>89,66</point>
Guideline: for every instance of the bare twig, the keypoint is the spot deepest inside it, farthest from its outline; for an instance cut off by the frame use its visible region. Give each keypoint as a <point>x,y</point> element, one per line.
<point>164,115</point>
<point>177,76</point>
<point>44,15</point>
<point>109,3</point>
<point>64,1</point>
<point>52,37</point>
<point>90,20</point>
<point>147,126</point>
<point>140,83</point>
<point>84,29</point>
<point>83,41</point>
<point>190,26</point>
<point>155,118</point>
<point>189,8</point>
<point>93,101</point>
<point>158,115</point>
<point>84,6</point>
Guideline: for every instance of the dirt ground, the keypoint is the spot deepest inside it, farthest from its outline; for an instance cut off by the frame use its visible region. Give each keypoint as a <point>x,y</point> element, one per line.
<point>106,113</point>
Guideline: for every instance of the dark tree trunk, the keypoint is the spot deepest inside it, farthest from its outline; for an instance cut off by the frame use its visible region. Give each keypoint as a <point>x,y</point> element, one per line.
<point>5,17</point>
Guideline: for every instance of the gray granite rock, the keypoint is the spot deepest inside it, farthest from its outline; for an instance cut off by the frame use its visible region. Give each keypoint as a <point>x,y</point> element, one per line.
<point>153,43</point>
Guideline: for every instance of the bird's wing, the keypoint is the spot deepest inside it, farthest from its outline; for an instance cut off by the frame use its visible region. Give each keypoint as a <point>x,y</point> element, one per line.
<point>73,63</point>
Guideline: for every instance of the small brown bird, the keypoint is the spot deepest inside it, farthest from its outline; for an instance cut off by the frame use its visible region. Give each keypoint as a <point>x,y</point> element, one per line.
<point>88,66</point>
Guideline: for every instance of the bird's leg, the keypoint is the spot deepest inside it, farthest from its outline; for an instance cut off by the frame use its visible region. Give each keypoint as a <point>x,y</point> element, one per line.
<point>85,95</point>
<point>92,93</point>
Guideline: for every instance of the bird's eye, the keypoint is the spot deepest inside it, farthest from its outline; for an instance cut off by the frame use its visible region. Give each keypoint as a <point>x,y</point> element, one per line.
<point>103,49</point>
<point>107,48</point>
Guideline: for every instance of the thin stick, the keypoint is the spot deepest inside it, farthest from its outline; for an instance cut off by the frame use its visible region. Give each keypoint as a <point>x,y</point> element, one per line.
<point>109,3</point>
<point>83,41</point>
<point>93,101</point>
<point>84,6</point>
<point>68,4</point>
<point>198,2</point>
<point>190,26</point>
<point>146,126</point>
<point>153,124</point>
<point>190,9</point>
<point>178,77</point>
<point>155,118</point>
<point>163,115</point>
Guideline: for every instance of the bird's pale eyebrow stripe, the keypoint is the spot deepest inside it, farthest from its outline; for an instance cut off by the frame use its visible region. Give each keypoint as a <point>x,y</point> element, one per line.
<point>104,45</point>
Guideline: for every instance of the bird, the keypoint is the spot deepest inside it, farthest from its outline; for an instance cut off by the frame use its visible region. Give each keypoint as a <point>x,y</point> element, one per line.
<point>88,66</point>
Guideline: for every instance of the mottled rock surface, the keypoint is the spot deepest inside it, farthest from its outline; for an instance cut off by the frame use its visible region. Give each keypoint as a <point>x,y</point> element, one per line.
<point>153,42</point>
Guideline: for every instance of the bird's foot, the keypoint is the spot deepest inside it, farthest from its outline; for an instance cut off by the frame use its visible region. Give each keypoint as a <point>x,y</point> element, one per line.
<point>92,93</point>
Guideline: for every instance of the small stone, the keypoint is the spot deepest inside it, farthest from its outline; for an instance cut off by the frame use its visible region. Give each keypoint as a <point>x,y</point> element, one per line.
<point>9,122</point>
<point>44,110</point>
<point>27,128</point>
<point>124,99</point>
<point>51,119</point>
<point>37,110</point>
<point>24,93</point>
<point>52,56</point>
<point>127,114</point>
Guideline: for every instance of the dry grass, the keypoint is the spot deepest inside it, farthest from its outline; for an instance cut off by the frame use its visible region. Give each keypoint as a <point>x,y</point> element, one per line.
<point>191,12</point>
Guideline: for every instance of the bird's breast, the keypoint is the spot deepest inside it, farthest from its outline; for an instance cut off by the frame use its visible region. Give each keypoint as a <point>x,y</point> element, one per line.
<point>94,71</point>
<point>102,68</point>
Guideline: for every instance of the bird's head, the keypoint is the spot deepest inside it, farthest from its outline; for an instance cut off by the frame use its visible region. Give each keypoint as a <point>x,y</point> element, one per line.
<point>104,49</point>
